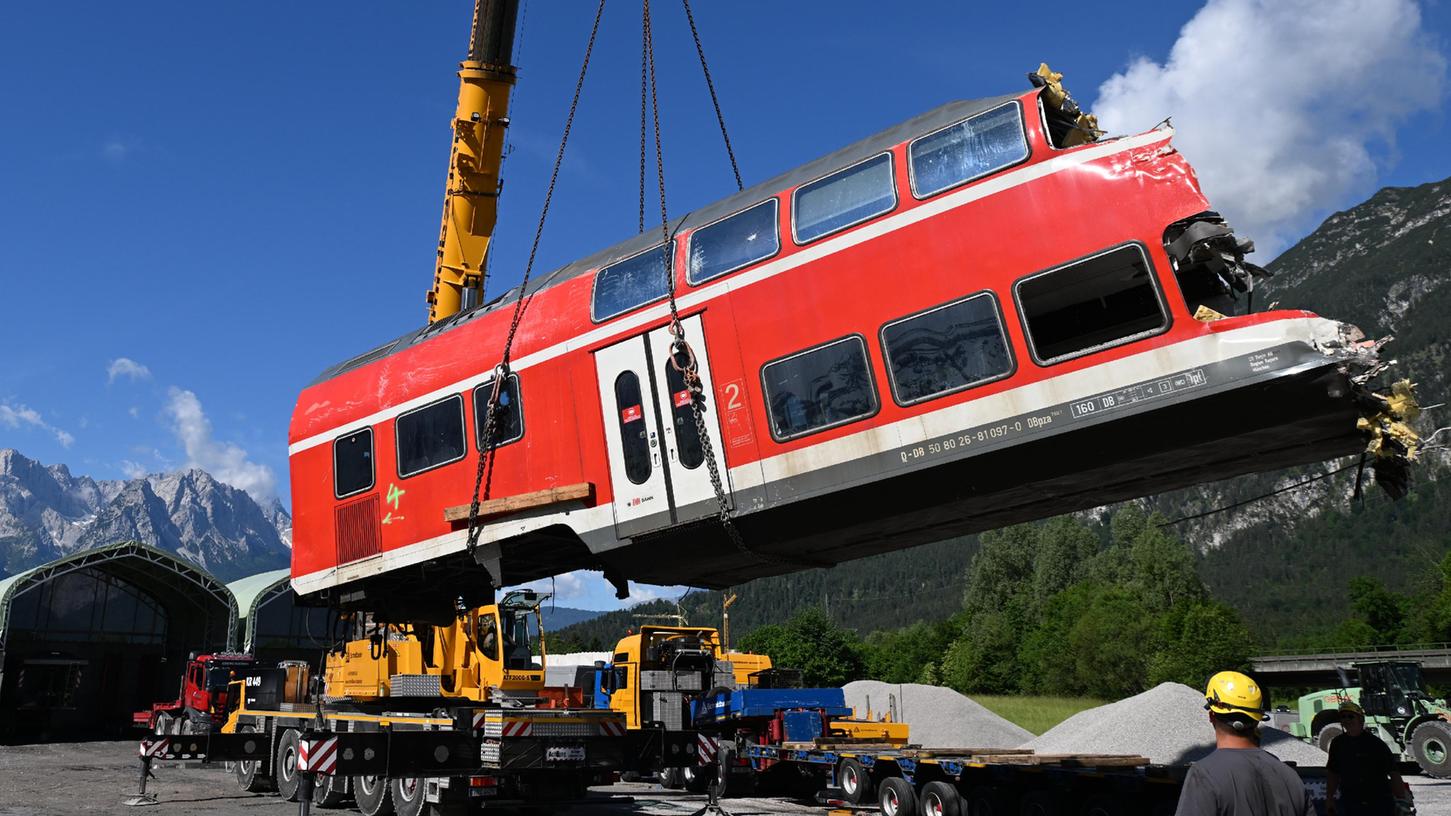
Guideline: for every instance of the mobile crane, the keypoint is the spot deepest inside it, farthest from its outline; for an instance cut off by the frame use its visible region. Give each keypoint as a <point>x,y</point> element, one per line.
<point>441,714</point>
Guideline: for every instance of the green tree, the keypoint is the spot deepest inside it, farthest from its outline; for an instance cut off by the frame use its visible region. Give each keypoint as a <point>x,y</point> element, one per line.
<point>1382,610</point>
<point>984,658</point>
<point>1162,568</point>
<point>825,654</point>
<point>1199,638</point>
<point>1111,646</point>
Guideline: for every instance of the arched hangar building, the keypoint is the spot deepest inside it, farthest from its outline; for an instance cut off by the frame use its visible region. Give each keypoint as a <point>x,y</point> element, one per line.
<point>88,639</point>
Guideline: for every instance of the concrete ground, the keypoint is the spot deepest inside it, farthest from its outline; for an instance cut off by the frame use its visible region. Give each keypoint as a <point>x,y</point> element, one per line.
<point>68,779</point>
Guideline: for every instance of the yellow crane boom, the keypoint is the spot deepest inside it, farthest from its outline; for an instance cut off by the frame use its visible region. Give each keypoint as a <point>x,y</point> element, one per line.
<point>471,199</point>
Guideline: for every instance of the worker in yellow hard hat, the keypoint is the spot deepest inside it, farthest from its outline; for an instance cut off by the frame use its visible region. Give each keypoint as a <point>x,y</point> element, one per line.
<point>1361,770</point>
<point>1240,778</point>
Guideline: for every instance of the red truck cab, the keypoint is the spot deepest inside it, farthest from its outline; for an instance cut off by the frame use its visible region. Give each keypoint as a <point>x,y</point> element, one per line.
<point>203,695</point>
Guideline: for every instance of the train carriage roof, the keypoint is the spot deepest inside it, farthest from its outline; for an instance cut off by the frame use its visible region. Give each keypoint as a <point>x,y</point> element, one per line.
<point>925,123</point>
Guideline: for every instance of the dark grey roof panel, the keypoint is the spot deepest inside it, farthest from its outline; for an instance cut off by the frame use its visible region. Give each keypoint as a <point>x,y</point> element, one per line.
<point>926,123</point>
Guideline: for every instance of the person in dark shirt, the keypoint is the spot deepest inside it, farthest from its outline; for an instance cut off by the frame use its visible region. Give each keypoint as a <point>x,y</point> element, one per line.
<point>1240,778</point>
<point>1361,769</point>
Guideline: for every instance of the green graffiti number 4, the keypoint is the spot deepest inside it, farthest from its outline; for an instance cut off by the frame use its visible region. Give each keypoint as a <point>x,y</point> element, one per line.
<point>394,494</point>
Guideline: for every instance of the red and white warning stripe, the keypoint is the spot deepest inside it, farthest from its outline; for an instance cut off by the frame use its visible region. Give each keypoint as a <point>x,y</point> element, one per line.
<point>612,728</point>
<point>153,748</point>
<point>318,756</point>
<point>479,719</point>
<point>707,748</point>
<point>517,728</point>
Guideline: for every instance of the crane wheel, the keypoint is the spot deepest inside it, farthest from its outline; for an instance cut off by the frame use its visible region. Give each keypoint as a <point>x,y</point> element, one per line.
<point>696,778</point>
<point>162,725</point>
<point>409,796</point>
<point>854,781</point>
<point>253,776</point>
<point>372,796</point>
<point>1431,746</point>
<point>284,765</point>
<point>896,797</point>
<point>329,791</point>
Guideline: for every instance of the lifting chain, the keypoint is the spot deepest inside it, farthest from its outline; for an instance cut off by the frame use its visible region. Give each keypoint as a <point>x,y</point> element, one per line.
<point>501,374</point>
<point>682,357</point>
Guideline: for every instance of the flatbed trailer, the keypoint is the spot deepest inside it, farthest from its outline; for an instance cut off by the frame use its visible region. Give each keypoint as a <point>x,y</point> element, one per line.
<point>990,782</point>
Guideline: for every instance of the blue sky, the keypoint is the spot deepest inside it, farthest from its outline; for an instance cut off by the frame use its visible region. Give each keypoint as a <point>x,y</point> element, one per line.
<point>227,198</point>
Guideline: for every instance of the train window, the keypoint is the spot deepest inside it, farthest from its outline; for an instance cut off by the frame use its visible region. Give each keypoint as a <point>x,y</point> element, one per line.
<point>826,386</point>
<point>633,282</point>
<point>733,242</point>
<point>510,422</point>
<point>353,463</point>
<point>946,349</point>
<point>843,198</point>
<point>682,414</point>
<point>634,437</point>
<point>1100,301</point>
<point>967,150</point>
<point>431,436</point>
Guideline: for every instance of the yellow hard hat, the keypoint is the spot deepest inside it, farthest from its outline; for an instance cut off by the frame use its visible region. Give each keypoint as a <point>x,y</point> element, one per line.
<point>1230,692</point>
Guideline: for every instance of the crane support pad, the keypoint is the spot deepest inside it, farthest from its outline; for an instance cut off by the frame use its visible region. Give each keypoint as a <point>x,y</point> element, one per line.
<point>584,491</point>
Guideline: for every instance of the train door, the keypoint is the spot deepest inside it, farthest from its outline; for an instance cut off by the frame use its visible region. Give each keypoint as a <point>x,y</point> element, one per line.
<point>657,462</point>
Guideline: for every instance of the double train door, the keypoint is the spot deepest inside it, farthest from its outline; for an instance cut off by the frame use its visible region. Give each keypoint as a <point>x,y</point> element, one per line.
<point>657,463</point>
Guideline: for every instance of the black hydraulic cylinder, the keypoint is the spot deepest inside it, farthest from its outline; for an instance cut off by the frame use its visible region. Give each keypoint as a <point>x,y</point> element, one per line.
<point>492,40</point>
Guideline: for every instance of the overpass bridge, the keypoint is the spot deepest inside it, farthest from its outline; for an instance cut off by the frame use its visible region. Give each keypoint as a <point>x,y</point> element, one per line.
<point>1309,668</point>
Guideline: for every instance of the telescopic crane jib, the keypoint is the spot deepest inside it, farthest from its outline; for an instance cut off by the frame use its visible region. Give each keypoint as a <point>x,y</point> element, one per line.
<point>470,205</point>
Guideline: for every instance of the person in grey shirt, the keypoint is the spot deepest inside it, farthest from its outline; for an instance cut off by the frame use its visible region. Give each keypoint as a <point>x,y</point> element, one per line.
<point>1240,778</point>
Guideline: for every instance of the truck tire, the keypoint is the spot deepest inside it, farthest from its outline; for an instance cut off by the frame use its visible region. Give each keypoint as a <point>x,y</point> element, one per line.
<point>670,778</point>
<point>253,776</point>
<point>284,765</point>
<point>940,799</point>
<point>410,796</point>
<point>1040,803</point>
<point>1327,735</point>
<point>372,796</point>
<point>162,725</point>
<point>1431,746</point>
<point>854,781</point>
<point>329,791</point>
<point>895,797</point>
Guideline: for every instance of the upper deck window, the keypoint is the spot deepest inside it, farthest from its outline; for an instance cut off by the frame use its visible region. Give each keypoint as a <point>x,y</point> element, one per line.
<point>431,436</point>
<point>946,349</point>
<point>967,150</point>
<point>1103,300</point>
<point>733,242</point>
<point>633,282</point>
<point>509,424</point>
<point>353,463</point>
<point>820,388</point>
<point>843,198</point>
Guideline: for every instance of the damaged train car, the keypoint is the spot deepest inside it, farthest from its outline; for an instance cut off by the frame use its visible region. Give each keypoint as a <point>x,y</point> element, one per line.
<point>984,315</point>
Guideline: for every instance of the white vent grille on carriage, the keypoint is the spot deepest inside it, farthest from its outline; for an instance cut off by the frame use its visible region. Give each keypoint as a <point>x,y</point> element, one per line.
<point>564,729</point>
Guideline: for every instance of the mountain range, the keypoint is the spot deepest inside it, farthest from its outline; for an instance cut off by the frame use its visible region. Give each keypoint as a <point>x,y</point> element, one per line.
<point>47,512</point>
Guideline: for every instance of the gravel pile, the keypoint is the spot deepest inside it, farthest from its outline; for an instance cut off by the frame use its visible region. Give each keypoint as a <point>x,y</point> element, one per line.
<point>938,717</point>
<point>1167,724</point>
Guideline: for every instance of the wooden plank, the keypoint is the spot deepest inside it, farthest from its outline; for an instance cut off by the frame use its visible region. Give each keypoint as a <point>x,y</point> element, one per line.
<point>584,491</point>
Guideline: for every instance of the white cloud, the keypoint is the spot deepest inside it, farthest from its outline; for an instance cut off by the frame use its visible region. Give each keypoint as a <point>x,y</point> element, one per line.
<point>16,416</point>
<point>133,470</point>
<point>128,368</point>
<point>223,460</point>
<point>569,586</point>
<point>134,411</point>
<point>1284,107</point>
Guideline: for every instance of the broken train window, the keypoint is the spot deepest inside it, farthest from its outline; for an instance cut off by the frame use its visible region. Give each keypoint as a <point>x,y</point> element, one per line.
<point>1103,300</point>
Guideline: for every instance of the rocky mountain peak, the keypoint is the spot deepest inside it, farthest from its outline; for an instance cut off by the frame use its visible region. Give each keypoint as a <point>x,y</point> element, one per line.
<point>46,513</point>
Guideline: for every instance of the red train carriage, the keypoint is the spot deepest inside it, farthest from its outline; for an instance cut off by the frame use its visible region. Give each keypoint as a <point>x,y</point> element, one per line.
<point>951,326</point>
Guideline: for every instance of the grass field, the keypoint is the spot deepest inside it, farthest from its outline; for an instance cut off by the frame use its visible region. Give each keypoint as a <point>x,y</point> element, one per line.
<point>1037,714</point>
